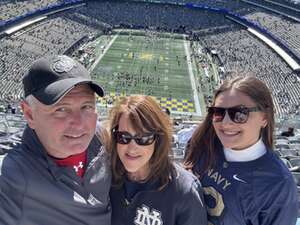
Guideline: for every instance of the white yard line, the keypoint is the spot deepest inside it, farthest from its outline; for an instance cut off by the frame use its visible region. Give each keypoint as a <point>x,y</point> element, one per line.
<point>104,52</point>
<point>192,78</point>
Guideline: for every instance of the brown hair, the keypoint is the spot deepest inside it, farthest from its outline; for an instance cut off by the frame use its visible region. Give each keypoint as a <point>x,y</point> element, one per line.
<point>205,143</point>
<point>145,114</point>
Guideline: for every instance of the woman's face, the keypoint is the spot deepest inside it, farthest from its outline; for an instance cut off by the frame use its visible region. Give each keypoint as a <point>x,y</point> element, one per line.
<point>238,136</point>
<point>134,157</point>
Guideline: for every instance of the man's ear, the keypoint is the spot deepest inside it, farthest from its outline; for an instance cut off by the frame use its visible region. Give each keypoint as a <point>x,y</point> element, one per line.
<point>28,114</point>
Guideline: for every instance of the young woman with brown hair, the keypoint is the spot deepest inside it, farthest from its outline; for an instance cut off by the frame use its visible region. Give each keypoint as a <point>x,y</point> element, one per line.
<point>231,152</point>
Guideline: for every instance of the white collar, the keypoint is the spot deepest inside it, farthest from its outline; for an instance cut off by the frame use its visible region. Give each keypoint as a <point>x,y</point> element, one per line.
<point>251,153</point>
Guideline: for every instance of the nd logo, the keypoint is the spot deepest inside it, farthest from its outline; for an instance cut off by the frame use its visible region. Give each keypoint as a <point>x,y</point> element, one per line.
<point>146,217</point>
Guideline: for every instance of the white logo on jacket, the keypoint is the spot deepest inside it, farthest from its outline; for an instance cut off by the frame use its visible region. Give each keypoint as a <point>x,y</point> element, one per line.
<point>145,217</point>
<point>76,168</point>
<point>238,179</point>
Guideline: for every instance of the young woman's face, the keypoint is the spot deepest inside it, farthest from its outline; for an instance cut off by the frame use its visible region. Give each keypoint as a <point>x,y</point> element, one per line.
<point>134,157</point>
<point>238,136</point>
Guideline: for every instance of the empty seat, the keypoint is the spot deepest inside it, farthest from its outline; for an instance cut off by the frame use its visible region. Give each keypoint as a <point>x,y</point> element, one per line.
<point>286,162</point>
<point>282,141</point>
<point>296,176</point>
<point>289,153</point>
<point>295,162</point>
<point>277,152</point>
<point>294,140</point>
<point>295,146</point>
<point>282,146</point>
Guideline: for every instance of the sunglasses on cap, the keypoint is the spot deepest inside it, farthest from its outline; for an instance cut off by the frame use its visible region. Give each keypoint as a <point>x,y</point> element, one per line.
<point>238,114</point>
<point>124,138</point>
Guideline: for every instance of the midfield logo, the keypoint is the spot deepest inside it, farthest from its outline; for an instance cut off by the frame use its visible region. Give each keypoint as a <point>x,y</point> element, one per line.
<point>145,217</point>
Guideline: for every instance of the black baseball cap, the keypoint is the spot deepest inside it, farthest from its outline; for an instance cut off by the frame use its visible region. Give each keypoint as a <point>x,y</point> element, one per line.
<point>51,78</point>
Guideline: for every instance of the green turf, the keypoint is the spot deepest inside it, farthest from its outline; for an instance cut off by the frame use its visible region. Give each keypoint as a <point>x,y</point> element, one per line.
<point>135,65</point>
<point>139,63</point>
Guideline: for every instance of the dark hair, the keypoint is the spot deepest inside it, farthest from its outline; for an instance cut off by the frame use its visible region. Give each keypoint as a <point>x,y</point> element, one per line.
<point>145,114</point>
<point>205,143</point>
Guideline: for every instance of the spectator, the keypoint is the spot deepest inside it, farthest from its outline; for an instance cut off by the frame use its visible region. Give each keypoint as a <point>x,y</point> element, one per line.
<point>147,185</point>
<point>231,152</point>
<point>60,173</point>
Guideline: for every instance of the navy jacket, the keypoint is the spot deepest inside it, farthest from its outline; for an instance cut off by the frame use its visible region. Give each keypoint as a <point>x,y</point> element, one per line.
<point>258,192</point>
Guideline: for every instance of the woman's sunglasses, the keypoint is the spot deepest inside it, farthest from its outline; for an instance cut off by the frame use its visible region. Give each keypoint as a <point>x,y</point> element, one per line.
<point>238,114</point>
<point>124,138</point>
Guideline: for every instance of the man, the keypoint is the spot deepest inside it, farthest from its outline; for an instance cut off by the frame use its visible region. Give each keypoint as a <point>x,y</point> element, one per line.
<point>60,174</point>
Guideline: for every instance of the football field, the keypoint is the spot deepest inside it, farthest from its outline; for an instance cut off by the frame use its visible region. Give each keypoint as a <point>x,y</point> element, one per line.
<point>150,65</point>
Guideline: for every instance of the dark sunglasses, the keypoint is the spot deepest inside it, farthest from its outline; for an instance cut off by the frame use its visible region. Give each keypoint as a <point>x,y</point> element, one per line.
<point>124,138</point>
<point>238,114</point>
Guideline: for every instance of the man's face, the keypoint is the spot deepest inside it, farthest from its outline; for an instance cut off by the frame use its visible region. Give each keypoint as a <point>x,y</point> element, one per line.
<point>67,127</point>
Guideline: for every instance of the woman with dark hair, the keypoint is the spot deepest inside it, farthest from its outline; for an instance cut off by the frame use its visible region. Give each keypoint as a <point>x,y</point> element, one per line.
<point>231,152</point>
<point>147,187</point>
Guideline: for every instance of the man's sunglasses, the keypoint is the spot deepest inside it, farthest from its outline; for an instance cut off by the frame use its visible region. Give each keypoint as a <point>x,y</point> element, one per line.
<point>124,138</point>
<point>238,114</point>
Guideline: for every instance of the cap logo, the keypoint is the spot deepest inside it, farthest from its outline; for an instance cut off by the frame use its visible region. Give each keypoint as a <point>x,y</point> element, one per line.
<point>63,64</point>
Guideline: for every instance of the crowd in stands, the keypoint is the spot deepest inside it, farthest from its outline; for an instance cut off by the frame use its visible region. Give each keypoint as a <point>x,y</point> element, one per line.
<point>291,3</point>
<point>289,10</point>
<point>143,15</point>
<point>53,36</point>
<point>285,29</point>
<point>234,5</point>
<point>236,48</point>
<point>239,51</point>
<point>12,8</point>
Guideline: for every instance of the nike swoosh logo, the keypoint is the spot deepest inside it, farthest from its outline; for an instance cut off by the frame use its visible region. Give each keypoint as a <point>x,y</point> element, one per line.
<point>238,179</point>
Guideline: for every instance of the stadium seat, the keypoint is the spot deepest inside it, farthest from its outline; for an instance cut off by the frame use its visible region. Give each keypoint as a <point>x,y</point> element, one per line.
<point>294,140</point>
<point>282,146</point>
<point>286,162</point>
<point>178,154</point>
<point>294,144</point>
<point>4,149</point>
<point>277,152</point>
<point>289,153</point>
<point>295,162</point>
<point>281,141</point>
<point>296,176</point>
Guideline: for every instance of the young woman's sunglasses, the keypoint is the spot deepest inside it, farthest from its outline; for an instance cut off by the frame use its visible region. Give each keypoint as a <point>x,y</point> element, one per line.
<point>124,138</point>
<point>238,114</point>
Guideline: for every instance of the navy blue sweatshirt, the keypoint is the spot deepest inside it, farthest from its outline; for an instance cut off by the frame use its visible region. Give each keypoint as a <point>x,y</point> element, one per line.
<point>258,192</point>
<point>179,203</point>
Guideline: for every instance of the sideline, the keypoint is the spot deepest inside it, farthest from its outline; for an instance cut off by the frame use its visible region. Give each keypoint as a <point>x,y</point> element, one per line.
<point>104,52</point>
<point>192,78</point>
